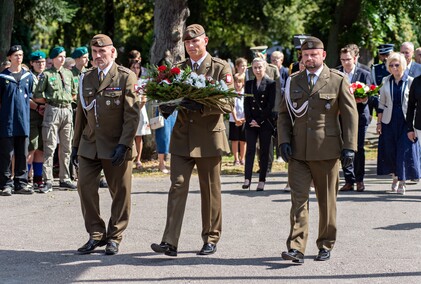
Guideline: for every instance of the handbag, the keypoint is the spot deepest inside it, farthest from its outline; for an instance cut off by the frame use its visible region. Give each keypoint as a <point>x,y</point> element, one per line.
<point>156,122</point>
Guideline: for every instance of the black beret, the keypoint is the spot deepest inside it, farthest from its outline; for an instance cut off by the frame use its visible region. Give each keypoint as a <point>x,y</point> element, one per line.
<point>13,49</point>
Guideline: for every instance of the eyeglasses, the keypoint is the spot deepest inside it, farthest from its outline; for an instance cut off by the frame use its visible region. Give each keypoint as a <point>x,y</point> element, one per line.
<point>394,65</point>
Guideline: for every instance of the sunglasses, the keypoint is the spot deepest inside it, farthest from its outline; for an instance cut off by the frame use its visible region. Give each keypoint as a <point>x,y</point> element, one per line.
<point>394,65</point>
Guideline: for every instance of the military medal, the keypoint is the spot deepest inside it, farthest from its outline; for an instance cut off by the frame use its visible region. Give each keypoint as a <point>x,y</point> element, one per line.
<point>294,104</point>
<point>117,102</point>
<point>108,102</point>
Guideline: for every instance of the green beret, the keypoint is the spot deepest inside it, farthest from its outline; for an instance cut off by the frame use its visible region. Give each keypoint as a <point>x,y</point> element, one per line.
<point>79,52</point>
<point>193,31</point>
<point>56,51</point>
<point>37,55</point>
<point>312,43</point>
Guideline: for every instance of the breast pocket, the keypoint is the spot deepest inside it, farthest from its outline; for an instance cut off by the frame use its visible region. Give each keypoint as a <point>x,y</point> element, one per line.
<point>327,100</point>
<point>88,95</point>
<point>113,100</point>
<point>296,98</point>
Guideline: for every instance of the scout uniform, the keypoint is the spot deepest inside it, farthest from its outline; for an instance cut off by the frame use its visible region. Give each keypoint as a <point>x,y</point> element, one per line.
<point>107,116</point>
<point>57,87</point>
<point>78,52</point>
<point>198,138</point>
<point>15,92</point>
<point>308,121</point>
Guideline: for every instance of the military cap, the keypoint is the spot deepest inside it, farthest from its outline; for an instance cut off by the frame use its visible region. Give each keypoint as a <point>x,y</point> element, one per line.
<point>101,40</point>
<point>13,49</point>
<point>312,42</point>
<point>385,48</point>
<point>79,52</point>
<point>298,40</point>
<point>56,51</point>
<point>193,31</point>
<point>37,55</point>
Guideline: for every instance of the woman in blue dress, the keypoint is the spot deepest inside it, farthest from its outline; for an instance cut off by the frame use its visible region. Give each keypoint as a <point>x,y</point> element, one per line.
<point>162,139</point>
<point>397,155</point>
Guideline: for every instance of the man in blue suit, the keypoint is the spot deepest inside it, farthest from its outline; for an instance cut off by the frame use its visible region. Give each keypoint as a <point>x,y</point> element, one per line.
<point>413,69</point>
<point>355,171</point>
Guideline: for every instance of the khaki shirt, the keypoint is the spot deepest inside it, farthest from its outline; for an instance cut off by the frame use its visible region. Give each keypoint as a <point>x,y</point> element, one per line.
<point>52,89</point>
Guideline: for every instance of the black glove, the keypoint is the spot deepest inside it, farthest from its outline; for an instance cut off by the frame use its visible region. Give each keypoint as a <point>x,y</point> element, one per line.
<point>167,109</point>
<point>119,155</point>
<point>286,151</point>
<point>74,158</point>
<point>191,105</point>
<point>347,157</point>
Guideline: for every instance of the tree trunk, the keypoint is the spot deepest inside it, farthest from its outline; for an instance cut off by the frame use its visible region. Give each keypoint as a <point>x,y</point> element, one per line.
<point>109,19</point>
<point>169,22</point>
<point>7,12</point>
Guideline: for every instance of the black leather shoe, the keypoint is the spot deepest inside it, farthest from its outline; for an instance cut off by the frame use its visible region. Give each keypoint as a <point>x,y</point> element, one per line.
<point>165,248</point>
<point>294,255</point>
<point>111,248</point>
<point>91,245</point>
<point>207,248</point>
<point>323,255</point>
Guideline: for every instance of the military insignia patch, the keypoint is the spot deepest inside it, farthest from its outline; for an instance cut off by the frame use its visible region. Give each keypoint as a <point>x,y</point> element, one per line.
<point>228,79</point>
<point>108,102</point>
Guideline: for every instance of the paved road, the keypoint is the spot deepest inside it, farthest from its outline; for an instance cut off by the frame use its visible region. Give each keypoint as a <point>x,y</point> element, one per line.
<point>379,238</point>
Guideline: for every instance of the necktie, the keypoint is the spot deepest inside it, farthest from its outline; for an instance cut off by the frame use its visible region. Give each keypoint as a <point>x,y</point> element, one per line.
<point>311,81</point>
<point>101,77</point>
<point>62,79</point>
<point>195,67</point>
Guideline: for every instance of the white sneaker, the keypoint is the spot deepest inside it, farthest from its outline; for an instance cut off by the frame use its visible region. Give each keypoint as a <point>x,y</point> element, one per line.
<point>394,186</point>
<point>401,188</point>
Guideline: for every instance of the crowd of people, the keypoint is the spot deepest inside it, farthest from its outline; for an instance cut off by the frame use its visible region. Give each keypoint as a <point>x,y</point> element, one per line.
<point>95,119</point>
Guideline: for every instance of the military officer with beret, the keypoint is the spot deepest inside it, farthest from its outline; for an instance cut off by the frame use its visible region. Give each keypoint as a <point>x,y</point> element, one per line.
<point>58,90</point>
<point>106,122</point>
<point>198,138</point>
<point>310,138</point>
<point>36,147</point>
<point>15,91</point>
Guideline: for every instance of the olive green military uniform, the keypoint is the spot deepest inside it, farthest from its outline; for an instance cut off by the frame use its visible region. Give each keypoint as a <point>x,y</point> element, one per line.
<point>317,139</point>
<point>107,115</point>
<point>35,131</point>
<point>58,91</point>
<point>199,138</point>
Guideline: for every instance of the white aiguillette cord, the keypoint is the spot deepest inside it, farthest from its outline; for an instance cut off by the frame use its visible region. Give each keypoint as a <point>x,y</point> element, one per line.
<point>291,110</point>
<point>82,100</point>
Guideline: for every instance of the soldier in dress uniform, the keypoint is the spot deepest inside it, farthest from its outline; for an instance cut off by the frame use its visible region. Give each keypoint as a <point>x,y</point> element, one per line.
<point>198,138</point>
<point>106,122</point>
<point>58,90</point>
<point>36,148</point>
<point>379,71</point>
<point>310,138</point>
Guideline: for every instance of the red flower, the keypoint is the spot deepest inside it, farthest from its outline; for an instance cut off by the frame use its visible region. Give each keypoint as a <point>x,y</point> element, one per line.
<point>359,86</point>
<point>372,87</point>
<point>162,68</point>
<point>175,71</point>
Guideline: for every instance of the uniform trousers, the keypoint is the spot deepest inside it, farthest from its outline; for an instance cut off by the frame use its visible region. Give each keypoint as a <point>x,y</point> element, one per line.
<point>119,181</point>
<point>325,174</point>
<point>18,147</point>
<point>209,171</point>
<point>57,122</point>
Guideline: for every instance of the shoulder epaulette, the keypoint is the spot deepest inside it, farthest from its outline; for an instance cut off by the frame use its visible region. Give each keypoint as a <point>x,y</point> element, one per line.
<point>219,60</point>
<point>124,69</point>
<point>337,72</point>
<point>180,63</point>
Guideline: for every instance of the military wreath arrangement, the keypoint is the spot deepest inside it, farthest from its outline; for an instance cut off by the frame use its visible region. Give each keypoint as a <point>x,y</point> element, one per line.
<point>362,91</point>
<point>172,85</point>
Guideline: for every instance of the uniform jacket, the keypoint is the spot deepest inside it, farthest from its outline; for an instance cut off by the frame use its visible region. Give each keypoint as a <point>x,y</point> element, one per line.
<point>362,76</point>
<point>114,117</point>
<point>414,105</point>
<point>202,133</point>
<point>415,69</point>
<point>378,72</point>
<point>259,107</point>
<point>51,88</point>
<point>317,134</point>
<point>14,104</point>
<point>386,100</point>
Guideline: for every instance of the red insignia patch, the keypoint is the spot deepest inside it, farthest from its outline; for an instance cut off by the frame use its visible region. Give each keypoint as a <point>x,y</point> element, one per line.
<point>229,78</point>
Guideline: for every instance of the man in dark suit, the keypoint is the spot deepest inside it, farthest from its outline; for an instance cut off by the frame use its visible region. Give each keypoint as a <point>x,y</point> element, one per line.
<point>413,69</point>
<point>198,139</point>
<point>310,138</point>
<point>355,171</point>
<point>106,122</point>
